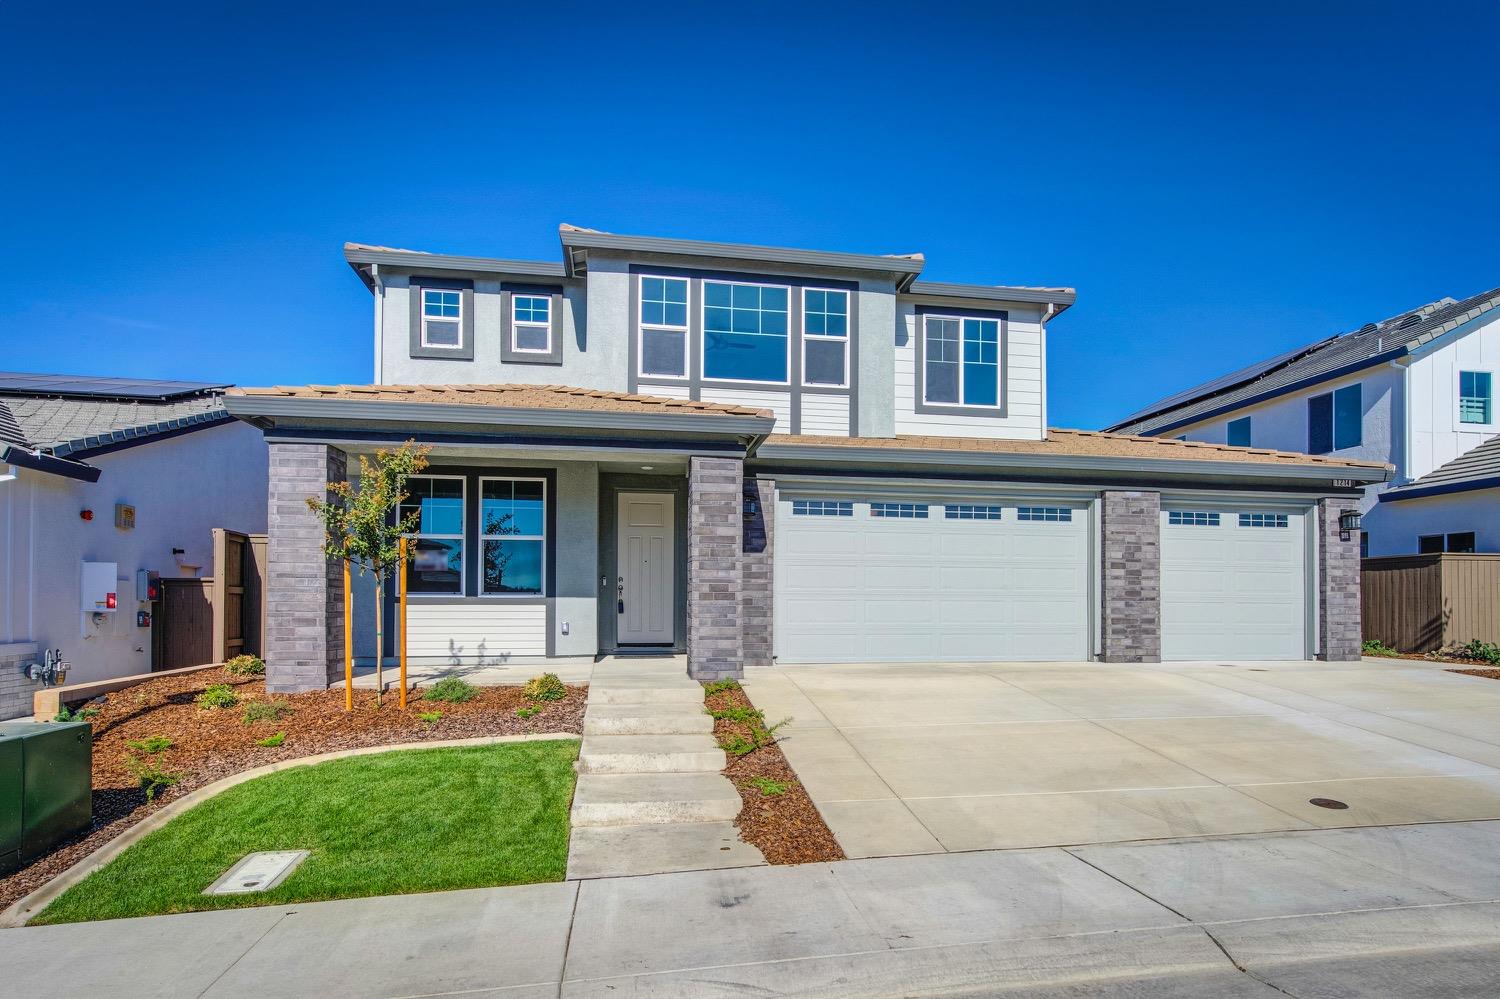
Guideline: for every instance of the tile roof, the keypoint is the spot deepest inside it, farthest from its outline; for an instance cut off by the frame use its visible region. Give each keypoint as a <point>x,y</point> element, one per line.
<point>508,397</point>
<point>69,426</point>
<point>10,430</point>
<point>1082,443</point>
<point>1394,336</point>
<point>1478,468</point>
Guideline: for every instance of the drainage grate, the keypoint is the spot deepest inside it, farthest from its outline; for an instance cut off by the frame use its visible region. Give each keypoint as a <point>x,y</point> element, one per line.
<point>1327,802</point>
<point>257,872</point>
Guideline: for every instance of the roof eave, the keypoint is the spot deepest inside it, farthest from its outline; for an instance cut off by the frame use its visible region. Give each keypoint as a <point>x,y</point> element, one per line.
<point>37,461</point>
<point>1415,491</point>
<point>360,257</point>
<point>905,268</point>
<point>1060,298</point>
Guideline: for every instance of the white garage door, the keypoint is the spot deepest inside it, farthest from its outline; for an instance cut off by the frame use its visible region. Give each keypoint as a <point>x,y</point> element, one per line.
<point>1233,583</point>
<point>866,579</point>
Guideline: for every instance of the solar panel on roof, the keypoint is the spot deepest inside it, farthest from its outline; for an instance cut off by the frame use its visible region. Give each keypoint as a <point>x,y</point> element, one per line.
<point>1223,381</point>
<point>87,386</point>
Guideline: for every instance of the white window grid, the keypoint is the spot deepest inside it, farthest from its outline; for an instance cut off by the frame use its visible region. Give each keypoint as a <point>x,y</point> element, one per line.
<point>704,332</point>
<point>537,310</point>
<point>443,305</point>
<point>1263,520</point>
<point>1050,514</point>
<point>486,536</point>
<point>957,346</point>
<point>461,537</point>
<point>680,331</point>
<point>839,338</point>
<point>822,508</point>
<point>900,511</point>
<point>1192,518</point>
<point>971,511</point>
<point>1473,409</point>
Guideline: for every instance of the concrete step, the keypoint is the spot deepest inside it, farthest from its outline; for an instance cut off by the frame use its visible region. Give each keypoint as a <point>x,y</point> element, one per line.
<point>625,851</point>
<point>644,690</point>
<point>647,719</point>
<point>649,754</point>
<point>647,799</point>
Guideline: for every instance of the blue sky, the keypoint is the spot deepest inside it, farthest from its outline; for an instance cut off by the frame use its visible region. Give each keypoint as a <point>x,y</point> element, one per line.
<point>1219,185</point>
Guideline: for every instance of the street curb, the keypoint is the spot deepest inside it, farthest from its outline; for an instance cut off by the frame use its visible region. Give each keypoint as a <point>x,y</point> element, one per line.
<point>28,906</point>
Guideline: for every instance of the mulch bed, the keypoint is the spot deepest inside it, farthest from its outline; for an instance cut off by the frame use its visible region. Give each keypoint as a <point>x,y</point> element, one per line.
<point>210,745</point>
<point>786,828</point>
<point>1490,673</point>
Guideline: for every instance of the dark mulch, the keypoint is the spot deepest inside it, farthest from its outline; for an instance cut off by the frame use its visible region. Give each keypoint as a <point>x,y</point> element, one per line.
<point>786,828</point>
<point>1439,657</point>
<point>1491,673</point>
<point>210,745</point>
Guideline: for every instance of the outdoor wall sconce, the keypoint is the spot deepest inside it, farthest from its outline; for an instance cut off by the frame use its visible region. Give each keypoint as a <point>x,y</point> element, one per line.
<point>1348,524</point>
<point>751,509</point>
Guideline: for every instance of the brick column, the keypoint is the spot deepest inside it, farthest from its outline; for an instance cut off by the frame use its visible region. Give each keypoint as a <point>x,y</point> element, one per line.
<point>1339,634</point>
<point>304,601</point>
<point>715,527</point>
<point>1131,597</point>
<point>756,612</point>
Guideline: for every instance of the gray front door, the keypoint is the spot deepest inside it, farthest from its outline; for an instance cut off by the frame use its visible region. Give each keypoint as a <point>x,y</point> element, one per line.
<point>644,588</point>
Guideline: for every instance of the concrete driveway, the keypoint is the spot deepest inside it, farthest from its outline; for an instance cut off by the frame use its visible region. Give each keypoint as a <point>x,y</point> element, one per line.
<point>908,759</point>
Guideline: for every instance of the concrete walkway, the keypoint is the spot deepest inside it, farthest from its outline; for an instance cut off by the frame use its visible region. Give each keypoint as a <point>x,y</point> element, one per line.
<point>650,795</point>
<point>1376,912</point>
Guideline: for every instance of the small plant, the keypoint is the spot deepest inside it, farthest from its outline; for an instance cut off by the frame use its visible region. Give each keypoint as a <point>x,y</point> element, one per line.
<point>1486,652</point>
<point>452,689</point>
<point>743,715</point>
<point>246,666</point>
<point>272,741</point>
<point>720,687</point>
<point>736,745</point>
<point>546,687</point>
<point>217,696</point>
<point>86,712</point>
<point>430,717</point>
<point>152,744</point>
<point>147,768</point>
<point>770,788</point>
<point>761,736</point>
<point>528,711</point>
<point>1375,647</point>
<point>64,715</point>
<point>259,711</point>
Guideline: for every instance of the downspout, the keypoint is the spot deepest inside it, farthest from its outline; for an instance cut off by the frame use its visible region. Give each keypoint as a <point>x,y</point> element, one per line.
<point>9,475</point>
<point>1047,313</point>
<point>1403,469</point>
<point>379,290</point>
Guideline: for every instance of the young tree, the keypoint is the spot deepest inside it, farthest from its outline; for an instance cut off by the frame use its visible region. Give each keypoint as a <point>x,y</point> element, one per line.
<point>362,526</point>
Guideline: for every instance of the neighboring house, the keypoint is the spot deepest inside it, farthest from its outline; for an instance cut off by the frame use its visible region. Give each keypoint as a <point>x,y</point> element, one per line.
<point>133,474</point>
<point>741,453</point>
<point>1416,390</point>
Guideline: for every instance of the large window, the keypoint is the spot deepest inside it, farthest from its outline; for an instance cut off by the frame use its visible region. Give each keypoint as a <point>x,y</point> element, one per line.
<point>1239,432</point>
<point>664,327</point>
<point>1475,400</point>
<point>442,318</point>
<point>1459,543</point>
<point>438,500</point>
<point>1335,420</point>
<point>745,332</point>
<point>531,323</point>
<point>825,337</point>
<point>512,536</point>
<point>962,362</point>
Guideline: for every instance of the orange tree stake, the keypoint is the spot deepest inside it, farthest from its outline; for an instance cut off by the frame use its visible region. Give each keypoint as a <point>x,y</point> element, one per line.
<point>348,641</point>
<point>401,592</point>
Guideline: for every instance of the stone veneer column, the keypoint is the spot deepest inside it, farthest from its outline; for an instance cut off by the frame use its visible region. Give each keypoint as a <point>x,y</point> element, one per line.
<point>1339,633</point>
<point>756,580</point>
<point>1131,597</point>
<point>715,529</point>
<point>304,602</point>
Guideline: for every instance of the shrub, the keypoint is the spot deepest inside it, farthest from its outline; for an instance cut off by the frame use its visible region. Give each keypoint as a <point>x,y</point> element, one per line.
<point>546,687</point>
<point>147,770</point>
<point>259,711</point>
<point>1375,647</point>
<point>451,689</point>
<point>246,666</point>
<point>528,711</point>
<point>430,717</point>
<point>720,687</point>
<point>1486,652</point>
<point>151,744</point>
<point>217,695</point>
<point>761,736</point>
<point>272,741</point>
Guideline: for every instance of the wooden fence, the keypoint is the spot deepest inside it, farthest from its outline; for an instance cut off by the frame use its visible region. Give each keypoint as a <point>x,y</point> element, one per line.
<point>1420,603</point>
<point>217,617</point>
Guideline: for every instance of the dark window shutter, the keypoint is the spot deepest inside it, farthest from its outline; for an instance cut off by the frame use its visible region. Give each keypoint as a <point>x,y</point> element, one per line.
<point>1320,424</point>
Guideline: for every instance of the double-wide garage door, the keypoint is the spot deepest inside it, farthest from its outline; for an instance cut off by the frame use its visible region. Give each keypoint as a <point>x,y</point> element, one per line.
<point>866,578</point>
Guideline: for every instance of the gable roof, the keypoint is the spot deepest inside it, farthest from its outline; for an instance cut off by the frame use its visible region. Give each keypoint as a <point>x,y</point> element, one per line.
<point>1338,355</point>
<point>1475,469</point>
<point>506,397</point>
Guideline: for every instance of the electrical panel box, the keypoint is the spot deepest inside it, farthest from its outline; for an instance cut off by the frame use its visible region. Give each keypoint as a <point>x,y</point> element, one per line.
<point>98,590</point>
<point>45,787</point>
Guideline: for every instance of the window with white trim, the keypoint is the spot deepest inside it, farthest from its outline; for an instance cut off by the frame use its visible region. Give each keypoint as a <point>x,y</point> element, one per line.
<point>961,366</point>
<point>745,335</point>
<point>1053,514</point>
<point>436,503</point>
<point>1263,520</point>
<point>822,508</point>
<point>1475,397</point>
<point>1192,518</point>
<point>899,511</point>
<point>512,536</point>
<point>825,337</point>
<point>971,511</point>
<point>531,323</point>
<point>442,318</point>
<point>664,327</point>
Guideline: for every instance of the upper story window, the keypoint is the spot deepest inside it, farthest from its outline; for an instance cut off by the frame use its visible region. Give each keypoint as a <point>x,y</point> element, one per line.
<point>438,501</point>
<point>531,323</point>
<point>1239,432</point>
<point>513,536</point>
<point>442,318</point>
<point>664,327</point>
<point>1475,399</point>
<point>825,337</point>
<point>745,335</point>
<point>1335,420</point>
<point>962,362</point>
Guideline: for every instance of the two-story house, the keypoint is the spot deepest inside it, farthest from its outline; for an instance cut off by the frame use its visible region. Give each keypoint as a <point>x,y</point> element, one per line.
<point>744,453</point>
<point>1416,390</point>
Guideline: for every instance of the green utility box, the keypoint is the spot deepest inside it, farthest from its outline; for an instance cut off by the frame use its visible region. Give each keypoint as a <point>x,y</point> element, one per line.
<point>46,787</point>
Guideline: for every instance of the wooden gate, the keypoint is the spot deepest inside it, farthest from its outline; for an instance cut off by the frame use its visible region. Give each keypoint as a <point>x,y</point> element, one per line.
<point>218,617</point>
<point>183,634</point>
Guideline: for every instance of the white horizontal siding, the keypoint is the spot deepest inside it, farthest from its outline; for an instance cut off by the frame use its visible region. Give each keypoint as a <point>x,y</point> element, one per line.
<point>669,391</point>
<point>825,414</point>
<point>1022,372</point>
<point>779,403</point>
<point>475,629</point>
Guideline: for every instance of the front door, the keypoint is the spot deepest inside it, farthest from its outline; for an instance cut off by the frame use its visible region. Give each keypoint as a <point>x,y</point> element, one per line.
<point>644,587</point>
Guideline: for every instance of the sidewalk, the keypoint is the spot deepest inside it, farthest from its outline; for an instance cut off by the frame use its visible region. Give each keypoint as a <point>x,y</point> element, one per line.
<point>1386,911</point>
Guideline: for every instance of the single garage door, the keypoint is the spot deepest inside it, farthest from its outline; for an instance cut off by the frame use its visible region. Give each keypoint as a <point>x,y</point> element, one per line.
<point>1233,583</point>
<point>868,579</point>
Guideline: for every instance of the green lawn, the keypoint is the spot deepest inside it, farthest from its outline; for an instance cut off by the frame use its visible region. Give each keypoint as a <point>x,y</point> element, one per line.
<point>409,821</point>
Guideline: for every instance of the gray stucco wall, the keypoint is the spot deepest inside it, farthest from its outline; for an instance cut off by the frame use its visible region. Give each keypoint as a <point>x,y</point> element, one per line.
<point>577,585</point>
<point>875,386</point>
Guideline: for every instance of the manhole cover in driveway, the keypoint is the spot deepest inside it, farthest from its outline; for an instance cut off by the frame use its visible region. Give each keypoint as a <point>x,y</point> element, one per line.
<point>1327,802</point>
<point>257,872</point>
